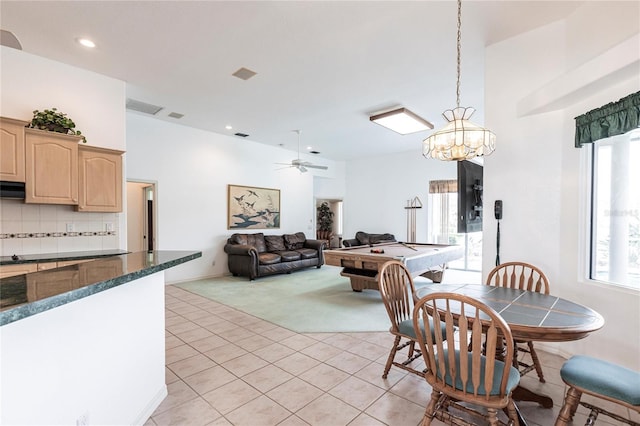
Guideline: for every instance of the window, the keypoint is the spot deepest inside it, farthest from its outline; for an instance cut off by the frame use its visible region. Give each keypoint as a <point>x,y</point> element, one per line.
<point>615,210</point>
<point>443,213</point>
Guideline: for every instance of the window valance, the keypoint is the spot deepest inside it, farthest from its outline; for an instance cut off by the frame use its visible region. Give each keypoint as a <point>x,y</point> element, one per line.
<point>443,186</point>
<point>612,119</point>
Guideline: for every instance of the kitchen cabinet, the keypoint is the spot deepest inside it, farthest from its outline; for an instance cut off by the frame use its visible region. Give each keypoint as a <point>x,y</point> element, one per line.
<point>13,270</point>
<point>12,163</point>
<point>51,161</point>
<point>40,286</point>
<point>99,179</point>
<point>47,265</point>
<point>106,269</point>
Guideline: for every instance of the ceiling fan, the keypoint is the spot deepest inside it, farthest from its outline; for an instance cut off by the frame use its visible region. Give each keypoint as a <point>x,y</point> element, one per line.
<point>299,164</point>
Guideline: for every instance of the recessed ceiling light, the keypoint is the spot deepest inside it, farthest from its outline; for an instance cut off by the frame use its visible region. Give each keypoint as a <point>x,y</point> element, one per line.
<point>228,127</point>
<point>309,148</point>
<point>86,42</point>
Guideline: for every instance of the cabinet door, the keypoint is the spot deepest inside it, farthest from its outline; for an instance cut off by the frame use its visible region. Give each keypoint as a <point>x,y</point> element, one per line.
<point>52,167</point>
<point>101,270</point>
<point>47,265</point>
<point>51,283</point>
<point>12,149</point>
<point>99,180</point>
<point>12,270</point>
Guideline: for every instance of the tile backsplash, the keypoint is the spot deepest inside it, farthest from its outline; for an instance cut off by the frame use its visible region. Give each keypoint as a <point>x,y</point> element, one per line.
<point>49,228</point>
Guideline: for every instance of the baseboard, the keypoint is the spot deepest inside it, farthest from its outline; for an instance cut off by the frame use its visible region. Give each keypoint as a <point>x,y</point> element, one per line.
<point>151,406</point>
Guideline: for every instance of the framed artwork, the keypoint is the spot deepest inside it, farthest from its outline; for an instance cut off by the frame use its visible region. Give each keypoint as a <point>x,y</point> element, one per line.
<point>250,207</point>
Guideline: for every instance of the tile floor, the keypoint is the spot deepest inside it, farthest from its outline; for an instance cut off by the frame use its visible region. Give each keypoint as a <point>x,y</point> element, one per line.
<point>225,367</point>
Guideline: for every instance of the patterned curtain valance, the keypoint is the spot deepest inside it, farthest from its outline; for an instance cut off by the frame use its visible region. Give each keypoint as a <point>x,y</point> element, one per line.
<point>612,119</point>
<point>442,186</point>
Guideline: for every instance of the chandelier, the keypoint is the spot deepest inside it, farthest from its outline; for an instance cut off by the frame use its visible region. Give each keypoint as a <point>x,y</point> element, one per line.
<point>459,139</point>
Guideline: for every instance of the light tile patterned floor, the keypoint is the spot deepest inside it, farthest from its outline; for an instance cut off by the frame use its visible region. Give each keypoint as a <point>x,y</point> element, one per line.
<point>225,367</point>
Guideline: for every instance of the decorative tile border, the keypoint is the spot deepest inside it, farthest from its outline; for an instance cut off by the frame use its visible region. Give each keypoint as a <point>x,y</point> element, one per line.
<point>56,234</point>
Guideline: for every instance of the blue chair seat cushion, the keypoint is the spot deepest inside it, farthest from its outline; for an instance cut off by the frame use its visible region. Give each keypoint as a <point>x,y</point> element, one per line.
<point>602,378</point>
<point>512,380</point>
<point>406,328</point>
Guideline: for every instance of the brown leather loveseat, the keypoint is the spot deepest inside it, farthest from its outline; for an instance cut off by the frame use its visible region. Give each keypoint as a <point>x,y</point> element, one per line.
<point>258,255</point>
<point>365,239</point>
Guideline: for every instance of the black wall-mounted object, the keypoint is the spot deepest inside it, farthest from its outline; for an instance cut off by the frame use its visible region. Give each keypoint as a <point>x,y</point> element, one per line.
<point>497,209</point>
<point>469,197</point>
<point>12,190</point>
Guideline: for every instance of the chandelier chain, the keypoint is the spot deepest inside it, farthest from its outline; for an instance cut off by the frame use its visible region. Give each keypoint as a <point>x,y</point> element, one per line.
<point>458,51</point>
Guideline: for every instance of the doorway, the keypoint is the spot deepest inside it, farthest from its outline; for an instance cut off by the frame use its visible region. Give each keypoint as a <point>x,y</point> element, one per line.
<point>335,206</point>
<point>141,216</point>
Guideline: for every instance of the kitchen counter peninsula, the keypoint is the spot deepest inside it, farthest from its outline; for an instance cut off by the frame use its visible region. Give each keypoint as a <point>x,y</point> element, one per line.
<point>58,257</point>
<point>86,343</point>
<point>28,294</point>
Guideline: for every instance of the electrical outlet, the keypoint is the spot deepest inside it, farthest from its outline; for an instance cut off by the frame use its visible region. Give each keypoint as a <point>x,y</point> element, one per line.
<point>108,226</point>
<point>71,227</point>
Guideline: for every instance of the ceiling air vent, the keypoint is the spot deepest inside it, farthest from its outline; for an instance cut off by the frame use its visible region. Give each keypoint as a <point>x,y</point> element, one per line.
<point>314,152</point>
<point>143,107</point>
<point>175,115</point>
<point>244,73</point>
<point>242,135</point>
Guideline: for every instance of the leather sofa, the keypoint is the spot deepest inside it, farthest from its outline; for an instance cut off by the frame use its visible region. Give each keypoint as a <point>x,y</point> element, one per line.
<point>365,239</point>
<point>258,255</point>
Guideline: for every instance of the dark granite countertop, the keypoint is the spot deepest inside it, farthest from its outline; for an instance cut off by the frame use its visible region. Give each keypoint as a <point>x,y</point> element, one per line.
<point>54,257</point>
<point>22,296</point>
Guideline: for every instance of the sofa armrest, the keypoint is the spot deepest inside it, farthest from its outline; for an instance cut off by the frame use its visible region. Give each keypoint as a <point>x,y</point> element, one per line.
<point>315,244</point>
<point>240,250</point>
<point>351,242</point>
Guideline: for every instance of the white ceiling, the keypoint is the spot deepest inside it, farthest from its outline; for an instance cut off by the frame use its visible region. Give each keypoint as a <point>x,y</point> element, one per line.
<point>322,66</point>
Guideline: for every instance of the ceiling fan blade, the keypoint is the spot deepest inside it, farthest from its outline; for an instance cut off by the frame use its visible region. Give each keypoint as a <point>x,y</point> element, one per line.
<point>313,166</point>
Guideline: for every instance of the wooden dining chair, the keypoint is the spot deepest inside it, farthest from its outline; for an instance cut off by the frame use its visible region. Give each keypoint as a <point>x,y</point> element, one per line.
<point>397,290</point>
<point>458,371</point>
<point>523,276</point>
<point>602,380</point>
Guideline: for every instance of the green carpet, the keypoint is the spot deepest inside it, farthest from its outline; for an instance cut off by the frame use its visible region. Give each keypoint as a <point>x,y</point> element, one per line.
<point>310,300</point>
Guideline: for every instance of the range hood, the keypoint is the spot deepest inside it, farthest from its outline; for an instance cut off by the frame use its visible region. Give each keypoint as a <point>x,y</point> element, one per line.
<point>12,189</point>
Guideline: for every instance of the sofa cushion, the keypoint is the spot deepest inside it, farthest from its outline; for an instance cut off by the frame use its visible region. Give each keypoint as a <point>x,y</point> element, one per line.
<point>366,238</point>
<point>255,240</point>
<point>380,238</point>
<point>289,256</point>
<point>294,241</point>
<point>274,243</point>
<point>362,237</point>
<point>307,253</point>
<point>269,258</point>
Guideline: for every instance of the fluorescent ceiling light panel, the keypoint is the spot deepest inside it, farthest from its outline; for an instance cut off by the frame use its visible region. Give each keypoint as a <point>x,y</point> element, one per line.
<point>402,121</point>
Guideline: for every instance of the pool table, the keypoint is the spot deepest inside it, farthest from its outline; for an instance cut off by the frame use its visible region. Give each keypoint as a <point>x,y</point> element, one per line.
<point>362,263</point>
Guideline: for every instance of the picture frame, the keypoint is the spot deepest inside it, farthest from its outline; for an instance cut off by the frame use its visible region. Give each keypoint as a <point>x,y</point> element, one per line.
<point>251,207</point>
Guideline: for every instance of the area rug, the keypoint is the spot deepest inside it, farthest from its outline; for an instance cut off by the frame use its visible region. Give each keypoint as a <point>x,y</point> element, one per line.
<point>310,300</point>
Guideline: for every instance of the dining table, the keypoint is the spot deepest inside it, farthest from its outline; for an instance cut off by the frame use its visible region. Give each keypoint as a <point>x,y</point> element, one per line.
<point>531,316</point>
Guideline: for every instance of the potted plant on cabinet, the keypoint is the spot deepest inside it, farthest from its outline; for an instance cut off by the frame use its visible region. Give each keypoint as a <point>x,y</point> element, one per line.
<point>54,121</point>
<point>325,220</point>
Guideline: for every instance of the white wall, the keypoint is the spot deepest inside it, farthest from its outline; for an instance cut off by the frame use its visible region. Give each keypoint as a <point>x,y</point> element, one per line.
<point>539,174</point>
<point>79,359</point>
<point>378,190</point>
<point>97,105</point>
<point>193,168</point>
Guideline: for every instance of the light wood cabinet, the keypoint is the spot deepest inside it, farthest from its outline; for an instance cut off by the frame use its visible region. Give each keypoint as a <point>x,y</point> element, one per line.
<point>47,265</point>
<point>51,167</point>
<point>13,270</point>
<point>12,165</point>
<point>99,179</point>
<point>40,286</point>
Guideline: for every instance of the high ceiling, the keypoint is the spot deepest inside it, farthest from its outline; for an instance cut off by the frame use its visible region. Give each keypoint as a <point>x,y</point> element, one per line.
<point>322,66</point>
